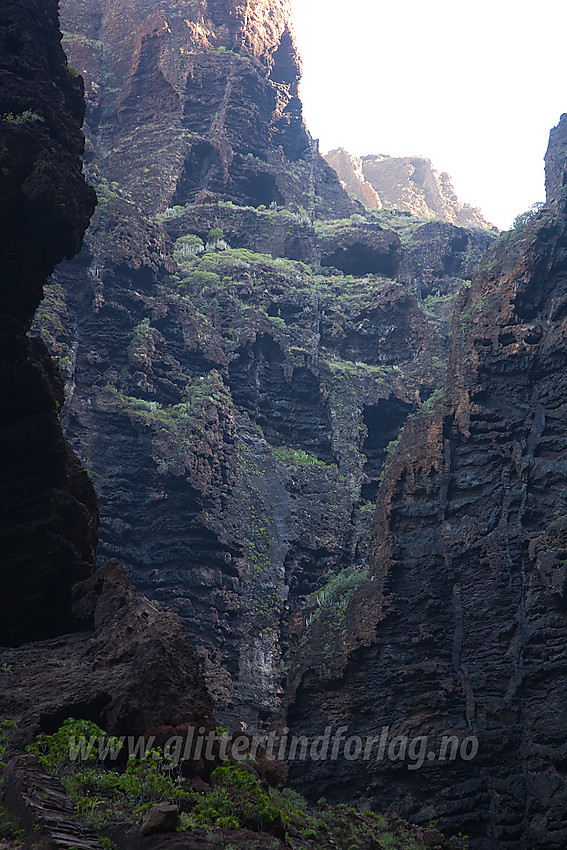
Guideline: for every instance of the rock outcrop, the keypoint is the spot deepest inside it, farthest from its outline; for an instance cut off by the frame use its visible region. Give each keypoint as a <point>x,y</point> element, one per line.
<point>462,629</point>
<point>410,184</point>
<point>134,674</point>
<point>351,175</point>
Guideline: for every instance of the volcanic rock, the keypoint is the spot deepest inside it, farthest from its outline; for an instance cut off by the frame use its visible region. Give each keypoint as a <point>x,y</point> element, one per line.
<point>461,629</point>
<point>48,508</point>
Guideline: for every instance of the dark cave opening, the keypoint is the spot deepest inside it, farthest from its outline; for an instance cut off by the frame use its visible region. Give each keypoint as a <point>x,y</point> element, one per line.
<point>452,261</point>
<point>259,189</point>
<point>383,422</point>
<point>359,259</point>
<point>202,160</point>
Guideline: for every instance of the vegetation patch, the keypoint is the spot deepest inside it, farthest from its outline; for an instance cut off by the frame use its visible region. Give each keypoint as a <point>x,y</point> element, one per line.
<point>390,450</point>
<point>337,592</point>
<point>434,399</point>
<point>106,790</point>
<point>468,313</point>
<point>103,794</point>
<point>300,459</point>
<point>404,224</point>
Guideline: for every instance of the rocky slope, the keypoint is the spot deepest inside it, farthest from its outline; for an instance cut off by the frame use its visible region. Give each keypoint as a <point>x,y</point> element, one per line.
<point>235,372</point>
<point>462,628</point>
<point>406,183</point>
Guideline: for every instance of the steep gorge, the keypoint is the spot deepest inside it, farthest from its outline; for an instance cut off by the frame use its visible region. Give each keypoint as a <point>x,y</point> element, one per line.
<point>242,345</point>
<point>240,342</point>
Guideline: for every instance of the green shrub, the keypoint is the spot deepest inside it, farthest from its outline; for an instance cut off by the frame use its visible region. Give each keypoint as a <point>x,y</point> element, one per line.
<point>235,800</point>
<point>430,404</point>
<point>100,794</point>
<point>297,458</point>
<point>523,219</point>
<point>339,588</point>
<point>26,117</point>
<point>201,279</point>
<point>215,235</point>
<point>278,322</point>
<point>139,335</point>
<point>187,246</point>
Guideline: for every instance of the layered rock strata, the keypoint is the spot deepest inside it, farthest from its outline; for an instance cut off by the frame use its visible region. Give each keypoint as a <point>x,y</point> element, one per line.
<point>462,627</point>
<point>236,368</point>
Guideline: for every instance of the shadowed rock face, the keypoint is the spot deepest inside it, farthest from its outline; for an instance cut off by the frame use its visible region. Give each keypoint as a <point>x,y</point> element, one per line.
<point>462,629</point>
<point>48,509</point>
<point>135,673</point>
<point>135,669</point>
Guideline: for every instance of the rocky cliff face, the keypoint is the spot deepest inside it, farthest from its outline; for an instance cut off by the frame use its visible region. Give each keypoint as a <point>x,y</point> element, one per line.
<point>237,357</point>
<point>198,97</point>
<point>91,647</point>
<point>349,169</point>
<point>462,627</point>
<point>48,509</point>
<point>410,184</point>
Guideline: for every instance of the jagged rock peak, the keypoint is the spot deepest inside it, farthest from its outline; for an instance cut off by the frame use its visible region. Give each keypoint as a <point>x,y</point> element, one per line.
<point>349,169</point>
<point>408,183</point>
<point>556,161</point>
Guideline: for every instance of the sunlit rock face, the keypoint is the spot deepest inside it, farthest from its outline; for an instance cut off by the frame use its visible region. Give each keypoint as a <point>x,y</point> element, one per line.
<point>192,97</point>
<point>462,627</point>
<point>349,169</point>
<point>410,184</point>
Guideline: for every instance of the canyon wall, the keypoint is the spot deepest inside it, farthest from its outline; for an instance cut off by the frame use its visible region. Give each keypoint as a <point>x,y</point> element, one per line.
<point>48,509</point>
<point>462,626</point>
<point>240,342</point>
<point>74,642</point>
<point>242,345</point>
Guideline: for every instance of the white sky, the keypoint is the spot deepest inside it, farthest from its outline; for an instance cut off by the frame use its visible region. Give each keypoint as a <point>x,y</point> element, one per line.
<point>474,86</point>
